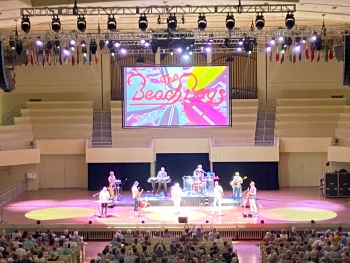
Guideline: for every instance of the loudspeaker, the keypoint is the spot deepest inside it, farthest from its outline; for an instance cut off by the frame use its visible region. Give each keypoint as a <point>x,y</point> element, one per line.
<point>6,74</point>
<point>344,184</point>
<point>346,68</point>
<point>331,184</point>
<point>183,219</point>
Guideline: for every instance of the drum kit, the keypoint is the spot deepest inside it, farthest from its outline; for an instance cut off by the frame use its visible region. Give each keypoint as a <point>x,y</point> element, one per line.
<point>195,186</point>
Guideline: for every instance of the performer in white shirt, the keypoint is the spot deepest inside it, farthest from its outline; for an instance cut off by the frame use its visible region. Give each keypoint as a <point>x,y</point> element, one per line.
<point>104,197</point>
<point>136,196</point>
<point>112,186</point>
<point>176,195</point>
<point>252,198</point>
<point>237,188</point>
<point>199,172</point>
<point>218,194</point>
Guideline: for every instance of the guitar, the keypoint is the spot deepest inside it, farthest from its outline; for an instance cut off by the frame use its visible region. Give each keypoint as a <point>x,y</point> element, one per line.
<point>139,195</point>
<point>235,183</point>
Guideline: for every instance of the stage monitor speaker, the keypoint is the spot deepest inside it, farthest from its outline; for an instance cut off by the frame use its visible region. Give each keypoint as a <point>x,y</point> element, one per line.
<point>331,184</point>
<point>339,52</point>
<point>183,219</point>
<point>344,185</point>
<point>6,74</point>
<point>346,67</point>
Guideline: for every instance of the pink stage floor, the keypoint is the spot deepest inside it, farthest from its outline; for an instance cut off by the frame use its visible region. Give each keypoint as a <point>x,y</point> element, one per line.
<point>74,206</point>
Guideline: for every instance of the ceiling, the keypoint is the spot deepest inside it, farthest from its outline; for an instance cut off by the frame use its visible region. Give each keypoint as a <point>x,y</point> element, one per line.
<point>309,13</point>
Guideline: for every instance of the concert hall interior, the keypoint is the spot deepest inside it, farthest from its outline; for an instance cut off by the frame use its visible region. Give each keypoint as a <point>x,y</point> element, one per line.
<point>165,115</point>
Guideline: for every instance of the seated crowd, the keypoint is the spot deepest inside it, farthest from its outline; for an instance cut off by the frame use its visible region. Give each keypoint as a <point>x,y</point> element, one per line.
<point>23,247</point>
<point>194,246</point>
<point>306,246</point>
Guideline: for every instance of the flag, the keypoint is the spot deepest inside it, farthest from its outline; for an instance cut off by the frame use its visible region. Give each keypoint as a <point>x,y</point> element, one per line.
<point>84,58</point>
<point>13,76</point>
<point>326,49</point>
<point>90,57</point>
<point>277,53</point>
<point>282,57</point>
<point>290,54</point>
<point>331,56</point>
<point>78,56</point>
<point>307,52</point>
<point>32,57</point>
<point>318,56</point>
<point>312,47</point>
<point>299,56</point>
<point>271,55</point>
<point>96,59</point>
<point>294,58</point>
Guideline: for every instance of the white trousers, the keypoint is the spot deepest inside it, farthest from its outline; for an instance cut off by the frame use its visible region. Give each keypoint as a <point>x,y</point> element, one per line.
<point>177,206</point>
<point>217,202</point>
<point>252,204</point>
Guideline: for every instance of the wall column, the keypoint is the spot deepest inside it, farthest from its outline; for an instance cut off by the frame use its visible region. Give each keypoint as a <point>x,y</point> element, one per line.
<point>106,81</point>
<point>262,79</point>
<point>157,57</point>
<point>153,169</point>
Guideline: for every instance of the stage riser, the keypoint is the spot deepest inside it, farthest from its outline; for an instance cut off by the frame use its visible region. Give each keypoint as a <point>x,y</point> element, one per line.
<point>186,201</point>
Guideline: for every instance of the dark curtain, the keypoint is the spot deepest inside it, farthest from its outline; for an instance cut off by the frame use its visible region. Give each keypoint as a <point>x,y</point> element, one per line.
<point>98,174</point>
<point>179,164</point>
<point>264,174</point>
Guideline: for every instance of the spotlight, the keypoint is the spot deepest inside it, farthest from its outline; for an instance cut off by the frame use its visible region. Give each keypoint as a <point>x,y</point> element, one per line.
<point>179,50</point>
<point>240,42</point>
<point>93,46</point>
<point>202,22</point>
<point>185,56</point>
<point>147,44</point>
<point>230,21</point>
<point>81,23</point>
<point>12,43</point>
<point>208,49</point>
<point>259,21</point>
<point>102,44</point>
<point>304,40</point>
<point>116,44</point>
<point>313,38</point>
<point>290,20</point>
<point>123,50</point>
<point>272,41</point>
<point>66,51</point>
<point>83,43</point>
<point>56,24</point>
<point>57,44</point>
<point>239,49</point>
<point>297,48</point>
<point>111,23</point>
<point>142,41</point>
<point>268,49</point>
<point>172,22</point>
<point>143,23</point>
<point>39,43</point>
<point>229,59</point>
<point>72,42</point>
<point>280,39</point>
<point>25,24</point>
<point>19,48</point>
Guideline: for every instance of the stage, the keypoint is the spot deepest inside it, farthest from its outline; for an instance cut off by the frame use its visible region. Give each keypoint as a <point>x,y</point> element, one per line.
<point>292,205</point>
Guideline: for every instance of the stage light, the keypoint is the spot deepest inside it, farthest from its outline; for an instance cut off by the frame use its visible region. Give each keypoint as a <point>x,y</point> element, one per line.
<point>268,49</point>
<point>143,23</point>
<point>296,48</point>
<point>25,24</point>
<point>290,20</point>
<point>72,42</point>
<point>208,49</point>
<point>280,39</point>
<point>147,44</point>
<point>123,50</point>
<point>185,56</point>
<point>155,46</point>
<point>202,22</point>
<point>56,24</point>
<point>259,21</point>
<point>111,23</point>
<point>93,46</point>
<point>142,41</point>
<point>102,44</point>
<point>19,48</point>
<point>57,44</point>
<point>239,49</point>
<point>272,41</point>
<point>172,22</point>
<point>83,43</point>
<point>230,21</point>
<point>313,38</point>
<point>81,23</point>
<point>112,53</point>
<point>248,44</point>
<point>66,51</point>
<point>12,43</point>
<point>240,42</point>
<point>179,50</point>
<point>304,40</point>
<point>39,43</point>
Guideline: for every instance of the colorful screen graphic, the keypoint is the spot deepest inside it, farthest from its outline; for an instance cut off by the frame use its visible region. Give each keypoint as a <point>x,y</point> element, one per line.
<point>176,96</point>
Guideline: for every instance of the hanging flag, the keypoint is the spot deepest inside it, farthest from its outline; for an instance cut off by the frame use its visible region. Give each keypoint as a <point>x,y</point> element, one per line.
<point>299,56</point>
<point>271,55</point>
<point>60,57</point>
<point>277,53</point>
<point>331,56</point>
<point>282,57</point>
<point>43,59</point>
<point>32,57</point>
<point>78,56</point>
<point>318,55</point>
<point>326,49</point>
<point>312,47</point>
<point>13,76</point>
<point>307,52</point>
<point>96,59</point>
<point>290,54</point>
<point>90,57</point>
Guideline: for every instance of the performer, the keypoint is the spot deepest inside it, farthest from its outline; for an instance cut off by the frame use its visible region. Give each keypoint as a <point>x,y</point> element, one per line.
<point>237,188</point>
<point>104,197</point>
<point>176,195</point>
<point>218,194</point>
<point>112,184</point>
<point>199,172</point>
<point>136,196</point>
<point>252,198</point>
<point>162,177</point>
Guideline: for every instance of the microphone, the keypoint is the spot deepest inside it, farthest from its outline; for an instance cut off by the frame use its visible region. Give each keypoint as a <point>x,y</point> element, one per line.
<point>96,194</point>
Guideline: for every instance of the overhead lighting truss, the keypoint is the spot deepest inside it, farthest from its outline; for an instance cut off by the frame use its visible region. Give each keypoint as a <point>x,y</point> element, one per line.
<point>159,10</point>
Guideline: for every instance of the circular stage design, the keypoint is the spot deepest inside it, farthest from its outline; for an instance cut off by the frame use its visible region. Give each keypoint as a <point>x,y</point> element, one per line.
<point>298,214</point>
<point>59,213</point>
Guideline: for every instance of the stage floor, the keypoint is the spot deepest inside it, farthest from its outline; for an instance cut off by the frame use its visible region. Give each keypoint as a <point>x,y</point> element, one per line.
<point>75,206</point>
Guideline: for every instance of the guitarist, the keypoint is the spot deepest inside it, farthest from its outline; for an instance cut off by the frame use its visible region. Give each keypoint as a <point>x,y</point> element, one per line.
<point>237,188</point>
<point>136,196</point>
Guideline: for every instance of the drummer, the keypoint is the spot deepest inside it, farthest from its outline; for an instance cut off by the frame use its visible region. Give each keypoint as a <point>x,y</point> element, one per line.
<point>199,173</point>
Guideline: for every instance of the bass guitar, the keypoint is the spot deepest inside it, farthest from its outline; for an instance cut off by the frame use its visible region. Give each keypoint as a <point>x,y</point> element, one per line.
<point>233,184</point>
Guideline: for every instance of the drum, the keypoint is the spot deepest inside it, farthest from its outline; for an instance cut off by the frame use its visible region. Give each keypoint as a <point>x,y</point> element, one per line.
<point>144,204</point>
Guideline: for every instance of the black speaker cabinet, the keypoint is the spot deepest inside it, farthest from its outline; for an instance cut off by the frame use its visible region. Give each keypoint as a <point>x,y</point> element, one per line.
<point>346,68</point>
<point>183,219</point>
<point>337,185</point>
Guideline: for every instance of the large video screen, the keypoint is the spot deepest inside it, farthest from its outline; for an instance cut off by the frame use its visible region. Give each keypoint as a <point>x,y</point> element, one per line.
<point>176,96</point>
